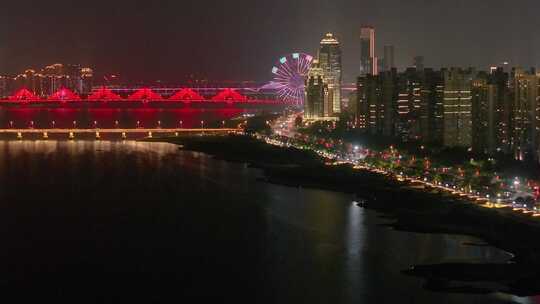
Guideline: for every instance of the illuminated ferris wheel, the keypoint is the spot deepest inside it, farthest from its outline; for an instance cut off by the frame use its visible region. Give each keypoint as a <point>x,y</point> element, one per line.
<point>290,76</point>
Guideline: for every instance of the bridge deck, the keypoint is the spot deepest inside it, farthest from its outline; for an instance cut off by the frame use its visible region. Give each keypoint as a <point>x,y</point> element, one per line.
<point>139,130</point>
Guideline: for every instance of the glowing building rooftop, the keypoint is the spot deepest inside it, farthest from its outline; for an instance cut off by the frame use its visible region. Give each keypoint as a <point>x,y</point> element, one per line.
<point>329,39</point>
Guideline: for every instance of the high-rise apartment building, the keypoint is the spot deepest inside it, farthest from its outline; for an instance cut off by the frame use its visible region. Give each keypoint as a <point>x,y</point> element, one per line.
<point>368,104</point>
<point>376,103</point>
<point>408,105</point>
<point>368,60</point>
<point>503,109</point>
<point>431,114</point>
<point>483,114</point>
<point>489,112</point>
<point>525,115</point>
<point>458,108</point>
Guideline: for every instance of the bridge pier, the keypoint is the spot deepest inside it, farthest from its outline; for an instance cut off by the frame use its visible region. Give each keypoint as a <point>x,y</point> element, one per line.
<point>98,136</point>
<point>45,135</point>
<point>19,135</point>
<point>124,135</point>
<point>149,134</point>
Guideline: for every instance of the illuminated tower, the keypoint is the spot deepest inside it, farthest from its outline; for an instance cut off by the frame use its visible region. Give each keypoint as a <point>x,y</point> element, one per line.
<point>525,116</point>
<point>368,61</point>
<point>316,93</point>
<point>457,108</point>
<point>330,63</point>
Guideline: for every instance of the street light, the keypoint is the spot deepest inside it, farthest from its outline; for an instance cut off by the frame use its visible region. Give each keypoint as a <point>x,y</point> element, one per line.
<point>181,123</point>
<point>74,124</point>
<point>202,124</point>
<point>159,124</point>
<point>53,123</point>
<point>116,124</point>
<point>11,124</point>
<point>138,124</point>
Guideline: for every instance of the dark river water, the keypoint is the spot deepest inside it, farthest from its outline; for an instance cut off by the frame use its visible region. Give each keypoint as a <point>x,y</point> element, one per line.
<point>86,222</point>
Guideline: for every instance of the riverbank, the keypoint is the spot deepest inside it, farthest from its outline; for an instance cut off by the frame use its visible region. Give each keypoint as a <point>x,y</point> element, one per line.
<point>409,209</point>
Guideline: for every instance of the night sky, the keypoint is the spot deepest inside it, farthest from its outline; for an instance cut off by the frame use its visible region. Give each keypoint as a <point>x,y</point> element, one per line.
<point>241,39</point>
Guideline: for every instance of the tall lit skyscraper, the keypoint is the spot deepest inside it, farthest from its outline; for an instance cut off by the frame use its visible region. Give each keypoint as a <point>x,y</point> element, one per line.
<point>316,93</point>
<point>458,108</point>
<point>330,62</point>
<point>368,62</point>
<point>525,117</point>
<point>388,59</point>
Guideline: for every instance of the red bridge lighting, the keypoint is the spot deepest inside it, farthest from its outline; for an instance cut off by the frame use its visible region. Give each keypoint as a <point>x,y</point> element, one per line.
<point>229,95</point>
<point>186,95</point>
<point>23,95</point>
<point>64,95</point>
<point>145,94</point>
<point>104,94</point>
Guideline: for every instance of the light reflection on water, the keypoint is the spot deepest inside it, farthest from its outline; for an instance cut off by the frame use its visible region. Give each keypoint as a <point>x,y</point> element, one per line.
<point>143,202</point>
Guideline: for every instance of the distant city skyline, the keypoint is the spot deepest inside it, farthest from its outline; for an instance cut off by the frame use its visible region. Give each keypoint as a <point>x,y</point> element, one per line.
<point>240,39</point>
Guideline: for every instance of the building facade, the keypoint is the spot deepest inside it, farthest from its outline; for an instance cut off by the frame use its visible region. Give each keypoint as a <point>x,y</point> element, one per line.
<point>330,63</point>
<point>316,93</point>
<point>388,62</point>
<point>457,108</point>
<point>525,115</point>
<point>50,79</point>
<point>368,60</point>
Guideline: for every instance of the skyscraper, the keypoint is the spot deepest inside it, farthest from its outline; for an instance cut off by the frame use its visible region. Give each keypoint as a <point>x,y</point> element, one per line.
<point>503,111</point>
<point>525,115</point>
<point>316,93</point>
<point>368,62</point>
<point>431,107</point>
<point>409,104</point>
<point>376,103</point>
<point>369,104</point>
<point>458,108</point>
<point>388,59</point>
<point>330,63</point>
<point>418,63</point>
<point>483,110</point>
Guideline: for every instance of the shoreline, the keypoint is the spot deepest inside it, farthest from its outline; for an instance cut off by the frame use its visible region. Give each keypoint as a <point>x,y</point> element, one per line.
<point>408,209</point>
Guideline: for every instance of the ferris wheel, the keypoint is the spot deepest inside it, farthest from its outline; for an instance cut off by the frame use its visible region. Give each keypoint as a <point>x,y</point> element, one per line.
<point>290,76</point>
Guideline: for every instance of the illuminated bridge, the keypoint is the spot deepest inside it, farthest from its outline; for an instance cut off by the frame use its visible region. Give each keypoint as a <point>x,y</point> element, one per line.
<point>113,113</point>
<point>168,97</point>
<point>108,133</point>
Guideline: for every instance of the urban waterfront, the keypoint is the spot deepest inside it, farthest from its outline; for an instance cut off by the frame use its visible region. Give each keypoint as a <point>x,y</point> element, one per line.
<point>270,151</point>
<point>90,220</point>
